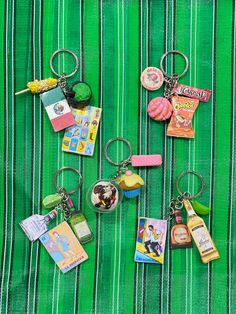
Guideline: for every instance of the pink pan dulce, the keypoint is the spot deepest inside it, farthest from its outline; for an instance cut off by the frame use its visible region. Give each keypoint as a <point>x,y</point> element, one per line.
<point>152,78</point>
<point>159,109</point>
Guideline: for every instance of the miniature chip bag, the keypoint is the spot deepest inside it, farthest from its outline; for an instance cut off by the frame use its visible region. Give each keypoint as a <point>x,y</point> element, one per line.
<point>181,121</point>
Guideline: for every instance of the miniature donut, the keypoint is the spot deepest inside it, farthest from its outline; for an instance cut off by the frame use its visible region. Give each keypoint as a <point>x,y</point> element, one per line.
<point>159,109</point>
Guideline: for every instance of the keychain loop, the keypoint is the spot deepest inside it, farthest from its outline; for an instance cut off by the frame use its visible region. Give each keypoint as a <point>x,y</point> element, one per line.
<point>73,55</point>
<point>123,162</point>
<point>67,168</point>
<point>176,76</point>
<point>187,195</point>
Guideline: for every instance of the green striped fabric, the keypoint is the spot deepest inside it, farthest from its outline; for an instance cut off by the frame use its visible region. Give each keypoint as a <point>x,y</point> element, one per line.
<point>115,40</point>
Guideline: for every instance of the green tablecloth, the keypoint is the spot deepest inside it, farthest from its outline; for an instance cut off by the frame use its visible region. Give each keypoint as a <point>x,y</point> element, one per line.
<point>115,41</point>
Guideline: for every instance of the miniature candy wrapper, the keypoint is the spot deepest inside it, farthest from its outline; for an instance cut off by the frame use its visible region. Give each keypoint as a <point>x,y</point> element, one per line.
<point>146,160</point>
<point>151,240</point>
<point>81,137</point>
<point>57,109</point>
<point>63,247</point>
<point>181,121</point>
<point>192,92</point>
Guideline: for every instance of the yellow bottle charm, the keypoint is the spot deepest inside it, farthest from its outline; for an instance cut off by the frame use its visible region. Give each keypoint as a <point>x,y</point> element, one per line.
<point>201,235</point>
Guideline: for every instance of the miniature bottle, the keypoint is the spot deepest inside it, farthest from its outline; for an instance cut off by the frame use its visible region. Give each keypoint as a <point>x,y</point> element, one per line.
<point>201,235</point>
<point>36,225</point>
<point>80,227</point>
<point>180,236</point>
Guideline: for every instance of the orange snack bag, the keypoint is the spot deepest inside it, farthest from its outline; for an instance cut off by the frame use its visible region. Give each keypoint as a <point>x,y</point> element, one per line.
<point>181,121</point>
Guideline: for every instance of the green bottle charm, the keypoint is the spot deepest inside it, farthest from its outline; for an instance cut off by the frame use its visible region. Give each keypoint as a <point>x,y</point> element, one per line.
<point>80,227</point>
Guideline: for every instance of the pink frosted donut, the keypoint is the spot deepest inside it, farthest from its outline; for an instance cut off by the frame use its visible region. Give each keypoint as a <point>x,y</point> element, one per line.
<point>159,109</point>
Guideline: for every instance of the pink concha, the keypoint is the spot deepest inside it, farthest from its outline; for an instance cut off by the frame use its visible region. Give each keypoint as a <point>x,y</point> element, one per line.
<point>159,109</point>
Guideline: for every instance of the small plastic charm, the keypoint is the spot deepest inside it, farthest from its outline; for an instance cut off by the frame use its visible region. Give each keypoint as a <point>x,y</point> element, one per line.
<point>152,78</point>
<point>36,225</point>
<point>104,196</point>
<point>130,183</point>
<point>79,225</point>
<point>57,108</point>
<point>37,87</point>
<point>192,92</point>
<point>79,94</point>
<point>181,121</point>
<point>180,236</point>
<point>151,240</point>
<point>159,109</point>
<point>80,138</point>
<point>63,246</point>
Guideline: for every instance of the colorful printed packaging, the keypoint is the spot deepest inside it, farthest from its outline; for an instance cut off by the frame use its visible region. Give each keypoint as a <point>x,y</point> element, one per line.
<point>181,121</point>
<point>57,109</point>
<point>192,92</point>
<point>80,138</point>
<point>151,240</point>
<point>64,247</point>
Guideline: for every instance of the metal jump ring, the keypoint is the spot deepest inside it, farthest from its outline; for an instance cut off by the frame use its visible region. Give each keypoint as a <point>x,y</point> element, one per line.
<point>126,161</point>
<point>67,168</point>
<point>73,55</point>
<point>184,173</point>
<point>174,75</point>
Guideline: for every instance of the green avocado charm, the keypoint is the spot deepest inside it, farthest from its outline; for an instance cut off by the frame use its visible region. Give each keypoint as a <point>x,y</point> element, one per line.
<point>78,94</point>
<point>200,209</point>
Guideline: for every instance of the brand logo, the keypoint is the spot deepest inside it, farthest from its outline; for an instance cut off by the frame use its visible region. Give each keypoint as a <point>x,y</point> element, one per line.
<point>186,105</point>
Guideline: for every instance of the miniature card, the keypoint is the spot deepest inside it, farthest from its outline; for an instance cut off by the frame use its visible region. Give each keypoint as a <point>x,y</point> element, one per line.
<point>151,240</point>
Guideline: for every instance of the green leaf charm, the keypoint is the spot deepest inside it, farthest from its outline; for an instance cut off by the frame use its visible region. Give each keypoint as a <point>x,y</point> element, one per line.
<point>52,200</point>
<point>200,209</point>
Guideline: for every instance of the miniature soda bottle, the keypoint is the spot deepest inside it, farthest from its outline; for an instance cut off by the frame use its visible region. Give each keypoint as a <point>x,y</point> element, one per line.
<point>201,235</point>
<point>180,236</point>
<point>36,225</point>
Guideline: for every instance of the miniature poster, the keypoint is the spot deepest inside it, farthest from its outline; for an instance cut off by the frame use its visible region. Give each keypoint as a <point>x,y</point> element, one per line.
<point>64,247</point>
<point>151,240</point>
<point>80,138</point>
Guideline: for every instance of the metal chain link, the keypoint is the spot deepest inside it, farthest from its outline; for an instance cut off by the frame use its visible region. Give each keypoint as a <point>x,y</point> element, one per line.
<point>62,80</point>
<point>168,87</point>
<point>175,204</point>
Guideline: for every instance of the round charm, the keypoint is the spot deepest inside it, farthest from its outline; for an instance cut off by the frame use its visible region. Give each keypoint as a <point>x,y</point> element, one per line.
<point>152,78</point>
<point>159,109</point>
<point>104,196</point>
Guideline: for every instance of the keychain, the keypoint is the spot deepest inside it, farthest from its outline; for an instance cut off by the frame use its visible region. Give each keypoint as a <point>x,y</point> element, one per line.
<point>106,195</point>
<point>52,94</point>
<point>36,225</point>
<point>195,224</point>
<point>180,109</point>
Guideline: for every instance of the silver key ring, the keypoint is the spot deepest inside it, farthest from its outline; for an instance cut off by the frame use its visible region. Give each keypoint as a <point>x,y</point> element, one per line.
<point>122,162</point>
<point>67,168</point>
<point>177,76</point>
<point>184,173</point>
<point>73,55</point>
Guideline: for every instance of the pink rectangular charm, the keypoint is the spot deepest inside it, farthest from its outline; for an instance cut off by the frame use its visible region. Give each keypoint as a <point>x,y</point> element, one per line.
<point>146,160</point>
<point>192,92</point>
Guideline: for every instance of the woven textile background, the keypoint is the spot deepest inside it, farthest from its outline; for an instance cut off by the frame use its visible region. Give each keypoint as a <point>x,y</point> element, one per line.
<point>115,41</point>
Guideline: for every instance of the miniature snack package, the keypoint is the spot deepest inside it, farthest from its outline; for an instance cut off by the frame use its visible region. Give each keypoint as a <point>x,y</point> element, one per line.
<point>192,92</point>
<point>64,247</point>
<point>80,138</point>
<point>181,121</point>
<point>151,240</point>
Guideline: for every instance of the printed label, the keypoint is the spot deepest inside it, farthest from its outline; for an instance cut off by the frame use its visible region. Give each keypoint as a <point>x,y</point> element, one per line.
<point>202,239</point>
<point>82,229</point>
<point>181,235</point>
<point>34,227</point>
